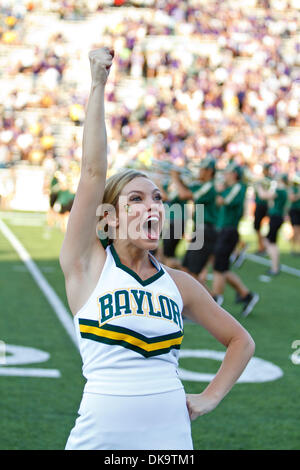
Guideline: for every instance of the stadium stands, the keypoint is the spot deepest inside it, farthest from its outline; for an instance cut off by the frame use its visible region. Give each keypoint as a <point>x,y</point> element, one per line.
<point>190,79</point>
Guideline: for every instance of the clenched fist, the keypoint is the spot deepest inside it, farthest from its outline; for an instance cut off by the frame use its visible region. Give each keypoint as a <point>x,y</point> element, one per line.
<point>100,62</point>
<point>199,404</point>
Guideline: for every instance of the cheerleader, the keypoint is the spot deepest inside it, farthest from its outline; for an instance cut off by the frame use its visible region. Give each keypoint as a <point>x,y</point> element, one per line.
<point>128,308</point>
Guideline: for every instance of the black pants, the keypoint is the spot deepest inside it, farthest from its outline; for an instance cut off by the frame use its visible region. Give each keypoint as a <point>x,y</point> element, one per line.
<point>195,260</point>
<point>226,242</point>
<point>275,224</point>
<point>172,237</point>
<point>295,216</point>
<point>261,211</point>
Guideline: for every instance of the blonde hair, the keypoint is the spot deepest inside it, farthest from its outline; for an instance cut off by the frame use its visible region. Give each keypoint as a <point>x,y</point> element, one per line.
<point>116,183</point>
<point>113,188</point>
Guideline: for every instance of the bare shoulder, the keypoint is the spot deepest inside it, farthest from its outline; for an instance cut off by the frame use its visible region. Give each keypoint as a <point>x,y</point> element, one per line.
<point>186,284</point>
<point>176,274</point>
<point>82,278</point>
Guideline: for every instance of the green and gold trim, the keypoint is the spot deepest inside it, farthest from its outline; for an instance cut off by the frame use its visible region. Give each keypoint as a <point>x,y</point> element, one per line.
<point>143,282</point>
<point>118,335</point>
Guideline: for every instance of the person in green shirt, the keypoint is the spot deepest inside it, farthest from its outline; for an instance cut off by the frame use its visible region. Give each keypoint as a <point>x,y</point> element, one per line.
<point>64,200</point>
<point>176,216</point>
<point>61,198</point>
<point>294,212</point>
<point>54,187</point>
<point>231,203</point>
<point>261,205</point>
<point>238,256</point>
<point>202,193</point>
<point>277,197</point>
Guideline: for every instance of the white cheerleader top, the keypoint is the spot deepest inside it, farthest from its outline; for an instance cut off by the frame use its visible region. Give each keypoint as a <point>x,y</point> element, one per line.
<point>130,331</point>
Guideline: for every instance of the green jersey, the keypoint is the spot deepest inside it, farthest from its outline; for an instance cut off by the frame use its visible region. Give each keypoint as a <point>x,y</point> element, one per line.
<point>278,204</point>
<point>265,184</point>
<point>65,196</point>
<point>295,190</point>
<point>230,212</point>
<point>54,185</point>
<point>177,206</point>
<point>205,193</point>
<point>244,192</point>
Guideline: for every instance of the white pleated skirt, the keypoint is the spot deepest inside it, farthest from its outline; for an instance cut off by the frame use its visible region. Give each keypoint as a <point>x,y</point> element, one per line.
<point>147,422</point>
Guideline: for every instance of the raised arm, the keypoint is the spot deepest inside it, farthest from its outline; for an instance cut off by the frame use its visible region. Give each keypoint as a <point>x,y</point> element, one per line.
<point>80,240</point>
<point>201,308</point>
<point>267,194</point>
<point>293,197</point>
<point>233,198</point>
<point>183,191</point>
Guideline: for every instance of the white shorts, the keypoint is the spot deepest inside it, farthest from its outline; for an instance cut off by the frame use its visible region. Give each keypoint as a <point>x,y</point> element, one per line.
<point>146,422</point>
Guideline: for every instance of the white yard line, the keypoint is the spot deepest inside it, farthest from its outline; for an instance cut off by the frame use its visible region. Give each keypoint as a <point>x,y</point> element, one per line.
<point>283,267</point>
<point>61,312</point>
<point>29,372</point>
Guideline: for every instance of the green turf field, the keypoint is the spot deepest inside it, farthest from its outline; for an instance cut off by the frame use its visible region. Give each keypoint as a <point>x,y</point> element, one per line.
<point>38,412</point>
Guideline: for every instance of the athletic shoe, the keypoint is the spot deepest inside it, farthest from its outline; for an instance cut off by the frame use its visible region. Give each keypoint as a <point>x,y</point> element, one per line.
<point>272,273</point>
<point>249,303</point>
<point>238,299</point>
<point>219,299</point>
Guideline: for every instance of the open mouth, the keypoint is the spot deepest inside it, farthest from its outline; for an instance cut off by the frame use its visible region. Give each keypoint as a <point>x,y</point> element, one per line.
<point>151,228</point>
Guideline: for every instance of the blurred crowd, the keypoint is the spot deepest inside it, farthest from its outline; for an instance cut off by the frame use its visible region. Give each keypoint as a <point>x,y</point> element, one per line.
<point>190,79</point>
